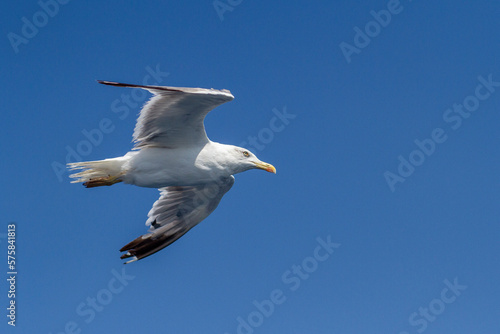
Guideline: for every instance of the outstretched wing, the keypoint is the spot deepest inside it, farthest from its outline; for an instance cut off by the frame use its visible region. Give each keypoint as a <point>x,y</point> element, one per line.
<point>176,211</point>
<point>174,116</point>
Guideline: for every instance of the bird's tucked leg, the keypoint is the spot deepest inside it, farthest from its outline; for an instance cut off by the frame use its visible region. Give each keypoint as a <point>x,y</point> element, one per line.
<point>103,181</point>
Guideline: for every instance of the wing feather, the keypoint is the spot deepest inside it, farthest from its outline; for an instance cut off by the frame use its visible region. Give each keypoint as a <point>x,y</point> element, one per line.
<point>174,116</point>
<point>177,211</point>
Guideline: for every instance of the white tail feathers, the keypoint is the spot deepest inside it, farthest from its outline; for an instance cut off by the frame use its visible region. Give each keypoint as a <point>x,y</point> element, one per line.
<point>108,170</point>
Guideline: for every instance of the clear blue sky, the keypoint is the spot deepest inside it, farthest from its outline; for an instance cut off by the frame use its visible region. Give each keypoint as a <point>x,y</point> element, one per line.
<point>383,216</point>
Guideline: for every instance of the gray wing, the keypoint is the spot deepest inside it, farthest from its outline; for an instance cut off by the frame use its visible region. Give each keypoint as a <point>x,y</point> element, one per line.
<point>174,116</point>
<point>176,211</point>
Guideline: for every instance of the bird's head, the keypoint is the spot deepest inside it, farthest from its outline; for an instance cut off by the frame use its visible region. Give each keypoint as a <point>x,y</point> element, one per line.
<point>245,160</point>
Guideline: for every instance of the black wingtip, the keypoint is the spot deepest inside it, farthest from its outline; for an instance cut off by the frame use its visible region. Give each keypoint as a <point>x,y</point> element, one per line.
<point>104,82</point>
<point>119,84</point>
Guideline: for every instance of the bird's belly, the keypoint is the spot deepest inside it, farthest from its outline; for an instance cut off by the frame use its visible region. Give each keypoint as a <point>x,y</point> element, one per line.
<point>166,178</point>
<point>156,169</point>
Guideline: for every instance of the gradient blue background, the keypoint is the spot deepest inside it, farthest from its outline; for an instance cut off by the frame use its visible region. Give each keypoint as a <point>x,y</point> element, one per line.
<point>352,122</point>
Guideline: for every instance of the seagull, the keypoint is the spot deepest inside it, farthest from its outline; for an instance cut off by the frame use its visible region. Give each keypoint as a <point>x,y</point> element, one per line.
<point>172,153</point>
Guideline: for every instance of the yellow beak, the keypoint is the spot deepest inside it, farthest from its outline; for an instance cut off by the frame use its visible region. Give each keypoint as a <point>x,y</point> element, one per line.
<point>265,166</point>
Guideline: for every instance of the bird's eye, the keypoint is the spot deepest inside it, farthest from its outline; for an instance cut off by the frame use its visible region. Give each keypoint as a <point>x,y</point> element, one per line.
<point>246,154</point>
